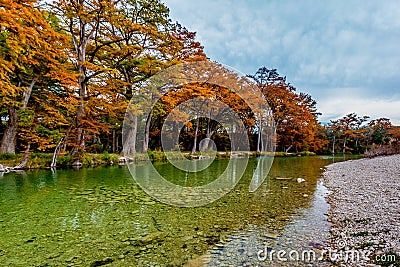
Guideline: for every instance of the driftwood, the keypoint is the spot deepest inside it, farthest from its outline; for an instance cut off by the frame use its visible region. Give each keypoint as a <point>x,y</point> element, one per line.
<point>56,153</point>
<point>61,146</point>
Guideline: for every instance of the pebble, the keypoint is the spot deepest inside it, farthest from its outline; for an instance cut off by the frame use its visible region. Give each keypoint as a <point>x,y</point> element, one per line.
<point>364,205</point>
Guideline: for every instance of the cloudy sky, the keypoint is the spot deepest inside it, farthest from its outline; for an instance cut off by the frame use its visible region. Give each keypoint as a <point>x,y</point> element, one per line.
<point>346,54</point>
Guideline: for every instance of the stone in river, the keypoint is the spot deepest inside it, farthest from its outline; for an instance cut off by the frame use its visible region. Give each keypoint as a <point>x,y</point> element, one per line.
<point>283,178</point>
<point>198,261</point>
<point>271,235</point>
<point>101,262</point>
<point>153,237</point>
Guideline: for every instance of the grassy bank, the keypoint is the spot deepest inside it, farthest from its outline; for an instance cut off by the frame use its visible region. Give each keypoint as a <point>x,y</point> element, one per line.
<point>43,160</point>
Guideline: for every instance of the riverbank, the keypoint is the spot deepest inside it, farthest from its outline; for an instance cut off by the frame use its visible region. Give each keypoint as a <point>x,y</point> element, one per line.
<point>44,160</point>
<point>365,210</point>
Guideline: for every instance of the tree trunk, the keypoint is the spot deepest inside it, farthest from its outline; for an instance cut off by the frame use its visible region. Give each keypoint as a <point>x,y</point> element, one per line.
<point>344,145</point>
<point>194,148</point>
<point>206,143</point>
<point>117,143</point>
<point>113,141</point>
<point>147,133</point>
<point>358,151</point>
<point>129,146</point>
<point>333,144</point>
<point>10,134</point>
<point>80,116</point>
<point>9,138</point>
<point>209,133</point>
<point>258,139</point>
<point>260,143</point>
<point>287,150</point>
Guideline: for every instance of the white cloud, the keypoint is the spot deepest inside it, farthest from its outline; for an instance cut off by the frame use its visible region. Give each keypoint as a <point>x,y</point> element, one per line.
<point>336,107</point>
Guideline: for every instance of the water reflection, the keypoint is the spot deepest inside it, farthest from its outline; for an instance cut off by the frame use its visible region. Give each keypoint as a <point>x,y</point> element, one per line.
<point>163,189</point>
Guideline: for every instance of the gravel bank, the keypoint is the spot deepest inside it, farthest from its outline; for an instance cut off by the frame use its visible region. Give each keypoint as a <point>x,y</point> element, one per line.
<point>365,211</point>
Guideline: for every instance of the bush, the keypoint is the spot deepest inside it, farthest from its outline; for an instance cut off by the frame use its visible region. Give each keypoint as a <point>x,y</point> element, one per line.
<point>383,150</point>
<point>87,160</point>
<point>106,156</point>
<point>40,155</point>
<point>64,160</point>
<point>5,156</point>
<point>109,158</point>
<point>157,156</point>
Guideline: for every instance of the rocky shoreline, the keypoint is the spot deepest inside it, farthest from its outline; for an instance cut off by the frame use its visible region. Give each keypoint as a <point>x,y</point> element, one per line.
<point>364,211</point>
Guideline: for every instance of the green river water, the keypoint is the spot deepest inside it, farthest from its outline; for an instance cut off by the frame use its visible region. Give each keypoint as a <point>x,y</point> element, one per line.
<point>100,216</point>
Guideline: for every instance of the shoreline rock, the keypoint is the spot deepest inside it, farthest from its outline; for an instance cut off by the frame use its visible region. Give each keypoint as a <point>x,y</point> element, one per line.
<point>364,209</point>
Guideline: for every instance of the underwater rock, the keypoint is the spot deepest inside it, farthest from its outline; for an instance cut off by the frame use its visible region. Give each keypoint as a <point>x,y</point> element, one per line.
<point>271,235</point>
<point>153,237</point>
<point>283,178</point>
<point>101,262</point>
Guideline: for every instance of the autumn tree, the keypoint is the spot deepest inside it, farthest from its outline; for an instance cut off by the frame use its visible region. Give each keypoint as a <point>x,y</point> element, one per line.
<point>295,113</point>
<point>349,133</point>
<point>395,133</point>
<point>207,97</point>
<point>88,25</point>
<point>332,132</point>
<point>211,85</point>
<point>33,58</point>
<point>117,45</point>
<point>145,48</point>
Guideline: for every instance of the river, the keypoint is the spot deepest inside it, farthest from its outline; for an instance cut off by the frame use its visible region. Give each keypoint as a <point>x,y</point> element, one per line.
<point>100,216</point>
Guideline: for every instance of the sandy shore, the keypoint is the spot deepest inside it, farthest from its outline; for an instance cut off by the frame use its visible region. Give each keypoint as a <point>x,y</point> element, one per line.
<point>365,211</point>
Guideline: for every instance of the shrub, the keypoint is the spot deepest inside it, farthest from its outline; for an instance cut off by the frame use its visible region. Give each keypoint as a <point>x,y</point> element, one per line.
<point>5,156</point>
<point>383,150</point>
<point>109,158</point>
<point>106,156</point>
<point>64,160</point>
<point>87,160</point>
<point>157,156</point>
<point>40,155</point>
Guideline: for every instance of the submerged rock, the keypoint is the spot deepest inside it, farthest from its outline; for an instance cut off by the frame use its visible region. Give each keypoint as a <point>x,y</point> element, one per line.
<point>271,235</point>
<point>101,262</point>
<point>153,237</point>
<point>198,261</point>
